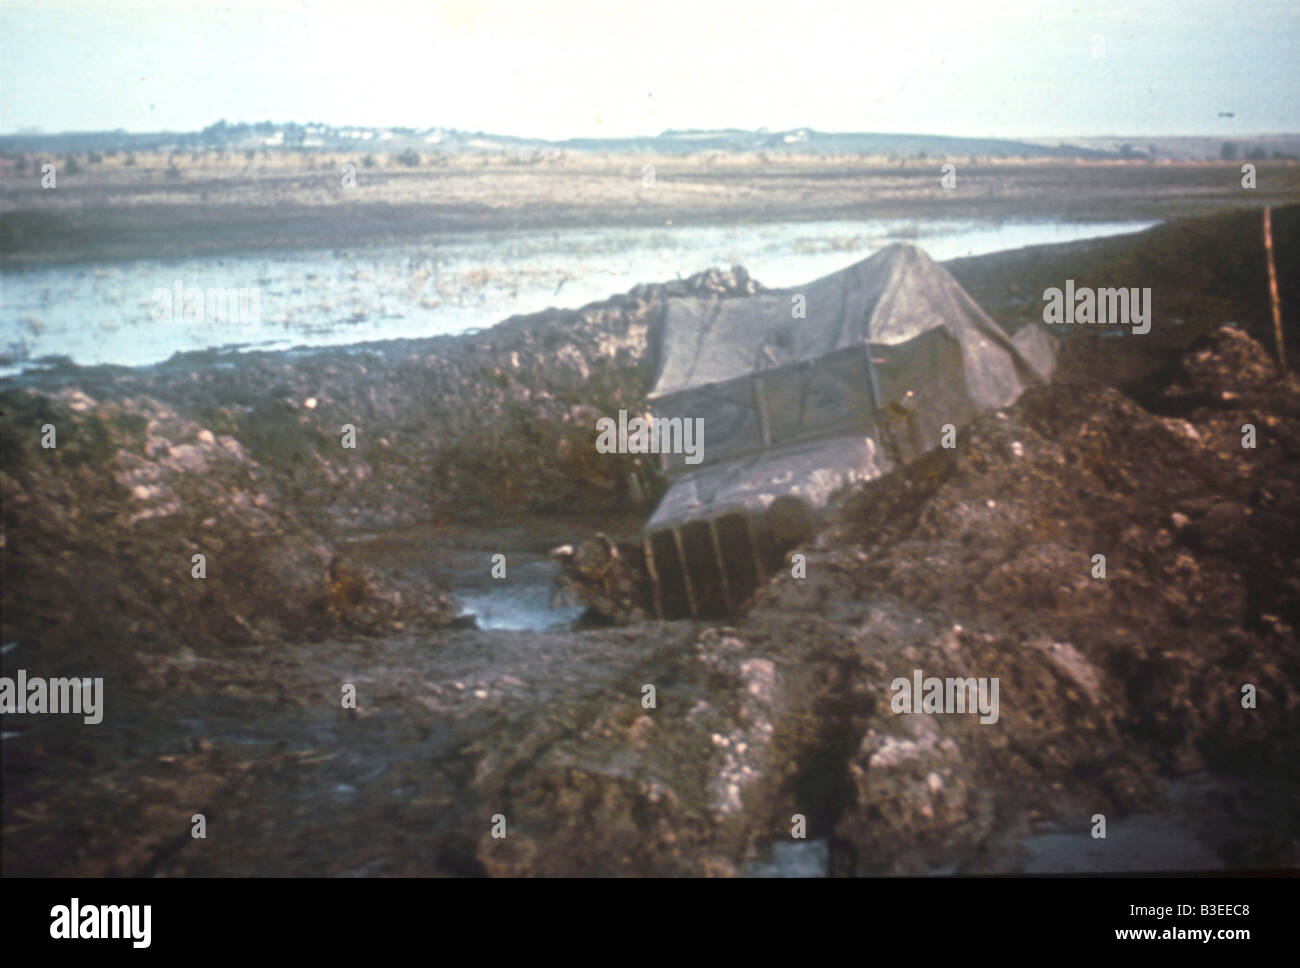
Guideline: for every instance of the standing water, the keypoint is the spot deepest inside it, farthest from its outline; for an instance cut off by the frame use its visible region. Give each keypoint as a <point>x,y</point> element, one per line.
<point>126,313</point>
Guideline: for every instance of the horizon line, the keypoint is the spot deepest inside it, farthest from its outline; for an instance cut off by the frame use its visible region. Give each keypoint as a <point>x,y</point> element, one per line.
<point>666,132</point>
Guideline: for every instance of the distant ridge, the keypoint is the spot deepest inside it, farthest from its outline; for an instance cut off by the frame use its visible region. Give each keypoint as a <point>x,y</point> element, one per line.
<point>314,137</point>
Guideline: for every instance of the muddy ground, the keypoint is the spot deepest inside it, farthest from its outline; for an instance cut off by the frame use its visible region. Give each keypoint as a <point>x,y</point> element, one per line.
<point>325,567</point>
<point>207,203</point>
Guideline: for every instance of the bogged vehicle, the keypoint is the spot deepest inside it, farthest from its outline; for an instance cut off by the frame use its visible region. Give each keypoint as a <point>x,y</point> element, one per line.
<point>804,392</point>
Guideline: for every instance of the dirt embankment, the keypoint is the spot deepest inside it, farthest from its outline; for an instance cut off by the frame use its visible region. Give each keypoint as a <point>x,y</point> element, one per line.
<point>977,562</point>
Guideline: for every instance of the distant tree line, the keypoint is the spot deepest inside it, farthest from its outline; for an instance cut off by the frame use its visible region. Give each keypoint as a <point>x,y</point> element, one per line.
<point>1231,151</point>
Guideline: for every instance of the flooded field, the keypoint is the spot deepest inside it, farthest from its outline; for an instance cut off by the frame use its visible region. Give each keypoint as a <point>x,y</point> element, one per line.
<point>112,313</point>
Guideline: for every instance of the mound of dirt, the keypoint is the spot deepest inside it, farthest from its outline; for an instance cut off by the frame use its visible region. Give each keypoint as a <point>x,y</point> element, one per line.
<point>976,563</point>
<point>128,524</point>
<point>446,428</point>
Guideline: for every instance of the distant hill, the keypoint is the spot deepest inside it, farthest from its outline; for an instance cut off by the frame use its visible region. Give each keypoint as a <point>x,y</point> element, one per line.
<point>806,141</point>
<point>1191,147</point>
<point>290,136</point>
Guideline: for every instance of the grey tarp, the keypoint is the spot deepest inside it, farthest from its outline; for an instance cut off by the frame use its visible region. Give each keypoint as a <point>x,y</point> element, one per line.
<point>808,389</point>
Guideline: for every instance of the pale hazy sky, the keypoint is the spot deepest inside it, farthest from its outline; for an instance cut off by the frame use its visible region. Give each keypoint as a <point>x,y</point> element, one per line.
<point>608,68</point>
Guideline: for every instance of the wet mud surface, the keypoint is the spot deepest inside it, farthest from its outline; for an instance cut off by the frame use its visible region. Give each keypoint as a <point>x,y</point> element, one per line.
<point>329,566</point>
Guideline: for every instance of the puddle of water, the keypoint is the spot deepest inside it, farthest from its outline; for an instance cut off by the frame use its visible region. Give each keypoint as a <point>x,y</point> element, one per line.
<point>462,562</point>
<point>1138,843</point>
<point>798,858</point>
<point>520,601</point>
<point>106,313</point>
<point>521,607</point>
<point>344,792</point>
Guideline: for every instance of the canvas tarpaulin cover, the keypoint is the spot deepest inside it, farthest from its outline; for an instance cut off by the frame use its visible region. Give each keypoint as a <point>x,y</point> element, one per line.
<point>807,389</point>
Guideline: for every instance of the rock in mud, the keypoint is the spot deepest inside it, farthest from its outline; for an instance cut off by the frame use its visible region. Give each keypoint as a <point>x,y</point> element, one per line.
<point>606,577</point>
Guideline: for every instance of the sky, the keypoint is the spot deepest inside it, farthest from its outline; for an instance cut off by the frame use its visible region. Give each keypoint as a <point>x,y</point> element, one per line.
<point>614,68</point>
